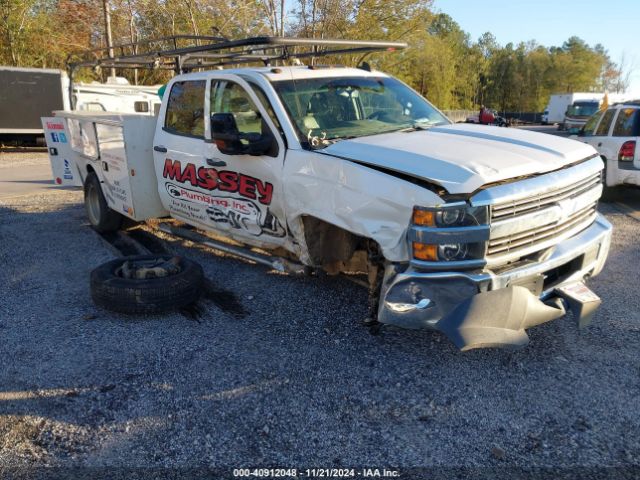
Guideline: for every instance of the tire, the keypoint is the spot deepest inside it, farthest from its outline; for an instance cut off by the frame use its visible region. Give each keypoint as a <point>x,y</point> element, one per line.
<point>150,295</point>
<point>609,194</point>
<point>101,217</point>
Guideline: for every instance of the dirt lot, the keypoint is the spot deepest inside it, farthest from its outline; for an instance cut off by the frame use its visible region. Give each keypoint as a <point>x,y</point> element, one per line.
<point>281,372</point>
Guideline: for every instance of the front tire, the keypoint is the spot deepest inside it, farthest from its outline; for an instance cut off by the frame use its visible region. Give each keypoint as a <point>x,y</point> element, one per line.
<point>101,217</point>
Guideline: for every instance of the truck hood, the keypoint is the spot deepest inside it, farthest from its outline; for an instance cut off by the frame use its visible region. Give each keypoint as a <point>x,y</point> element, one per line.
<point>462,158</point>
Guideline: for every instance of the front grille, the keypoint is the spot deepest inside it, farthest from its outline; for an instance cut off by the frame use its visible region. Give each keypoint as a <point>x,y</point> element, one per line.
<point>531,237</point>
<point>571,209</point>
<point>525,205</point>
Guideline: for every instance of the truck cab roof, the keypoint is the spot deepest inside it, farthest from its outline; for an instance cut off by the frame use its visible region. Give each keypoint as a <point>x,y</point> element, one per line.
<point>275,74</point>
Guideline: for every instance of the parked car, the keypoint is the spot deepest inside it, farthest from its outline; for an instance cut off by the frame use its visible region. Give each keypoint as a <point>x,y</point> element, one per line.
<point>487,116</point>
<point>615,133</point>
<point>545,118</point>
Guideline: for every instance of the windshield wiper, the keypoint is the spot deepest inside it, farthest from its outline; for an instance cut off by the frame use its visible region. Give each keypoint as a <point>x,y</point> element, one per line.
<point>416,126</point>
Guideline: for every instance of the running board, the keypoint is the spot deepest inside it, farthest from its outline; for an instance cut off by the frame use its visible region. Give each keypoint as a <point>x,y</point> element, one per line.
<point>277,263</point>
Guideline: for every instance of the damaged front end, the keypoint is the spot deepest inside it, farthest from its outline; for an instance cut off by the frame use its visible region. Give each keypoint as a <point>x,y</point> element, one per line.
<point>476,310</point>
<point>524,261</point>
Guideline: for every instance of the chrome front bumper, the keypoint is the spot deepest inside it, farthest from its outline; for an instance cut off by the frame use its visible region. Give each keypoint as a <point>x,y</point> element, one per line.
<point>414,299</point>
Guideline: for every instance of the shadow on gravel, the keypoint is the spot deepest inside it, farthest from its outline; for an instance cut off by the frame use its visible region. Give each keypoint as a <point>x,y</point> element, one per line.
<point>15,149</point>
<point>626,194</point>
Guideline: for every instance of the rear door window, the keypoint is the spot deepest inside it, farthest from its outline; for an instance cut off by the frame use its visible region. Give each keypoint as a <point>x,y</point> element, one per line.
<point>185,109</point>
<point>603,128</point>
<point>590,126</point>
<point>628,123</point>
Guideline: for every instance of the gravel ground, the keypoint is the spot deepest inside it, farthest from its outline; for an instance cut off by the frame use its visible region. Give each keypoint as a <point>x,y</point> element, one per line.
<point>291,378</point>
<point>17,159</point>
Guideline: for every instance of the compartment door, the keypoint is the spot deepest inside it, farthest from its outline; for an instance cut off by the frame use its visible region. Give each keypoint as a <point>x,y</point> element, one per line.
<point>64,169</point>
<point>115,169</point>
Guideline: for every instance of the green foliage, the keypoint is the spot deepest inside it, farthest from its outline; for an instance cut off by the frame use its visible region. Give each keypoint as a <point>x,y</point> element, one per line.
<point>443,62</point>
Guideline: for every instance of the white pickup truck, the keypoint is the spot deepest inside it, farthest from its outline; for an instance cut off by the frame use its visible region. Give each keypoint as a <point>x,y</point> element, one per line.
<point>479,232</point>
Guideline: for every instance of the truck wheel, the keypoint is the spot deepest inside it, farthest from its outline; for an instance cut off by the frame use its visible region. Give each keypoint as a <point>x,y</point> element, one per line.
<point>101,217</point>
<point>110,289</point>
<point>609,194</point>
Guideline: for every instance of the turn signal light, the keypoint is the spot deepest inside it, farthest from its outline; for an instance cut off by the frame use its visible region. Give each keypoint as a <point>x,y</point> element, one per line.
<point>627,151</point>
<point>424,251</point>
<point>425,218</point>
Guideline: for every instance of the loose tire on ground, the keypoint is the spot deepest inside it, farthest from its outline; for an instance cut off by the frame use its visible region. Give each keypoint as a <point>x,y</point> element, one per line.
<point>101,217</point>
<point>150,295</point>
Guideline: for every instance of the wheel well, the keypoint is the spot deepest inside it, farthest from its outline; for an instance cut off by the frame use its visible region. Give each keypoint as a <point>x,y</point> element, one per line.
<point>329,244</point>
<point>90,169</point>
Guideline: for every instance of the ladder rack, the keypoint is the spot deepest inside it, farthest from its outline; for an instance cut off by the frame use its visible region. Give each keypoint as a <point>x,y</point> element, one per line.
<point>171,53</point>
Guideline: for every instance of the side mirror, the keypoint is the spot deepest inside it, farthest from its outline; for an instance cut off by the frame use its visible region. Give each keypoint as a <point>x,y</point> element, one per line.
<point>230,141</point>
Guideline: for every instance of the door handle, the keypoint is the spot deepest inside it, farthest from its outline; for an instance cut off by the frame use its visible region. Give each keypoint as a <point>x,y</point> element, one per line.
<point>214,162</point>
<point>161,149</point>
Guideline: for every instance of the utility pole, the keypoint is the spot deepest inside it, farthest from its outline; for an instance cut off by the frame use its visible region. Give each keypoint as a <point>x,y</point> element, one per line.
<point>107,28</point>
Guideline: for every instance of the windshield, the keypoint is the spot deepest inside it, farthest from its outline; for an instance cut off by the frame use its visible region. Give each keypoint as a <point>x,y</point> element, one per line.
<point>327,109</point>
<point>583,109</point>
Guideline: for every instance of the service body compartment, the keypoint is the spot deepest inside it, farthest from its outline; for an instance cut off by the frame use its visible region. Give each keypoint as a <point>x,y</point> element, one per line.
<point>65,170</point>
<point>118,147</point>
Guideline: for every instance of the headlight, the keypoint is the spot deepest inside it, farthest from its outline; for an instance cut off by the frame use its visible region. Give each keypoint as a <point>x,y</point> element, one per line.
<point>451,233</point>
<point>450,216</point>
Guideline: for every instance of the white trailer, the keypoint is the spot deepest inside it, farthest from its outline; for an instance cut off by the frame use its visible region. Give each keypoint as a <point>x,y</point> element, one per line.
<point>558,103</point>
<point>117,95</point>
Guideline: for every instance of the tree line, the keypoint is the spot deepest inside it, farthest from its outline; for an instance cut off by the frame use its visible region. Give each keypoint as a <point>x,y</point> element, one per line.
<point>442,62</point>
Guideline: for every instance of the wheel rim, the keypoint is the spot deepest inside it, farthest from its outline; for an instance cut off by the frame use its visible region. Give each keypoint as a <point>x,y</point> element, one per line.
<point>149,268</point>
<point>93,205</point>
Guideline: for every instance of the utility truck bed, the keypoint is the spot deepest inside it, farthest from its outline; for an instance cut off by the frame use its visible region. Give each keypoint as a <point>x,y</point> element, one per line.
<point>119,146</point>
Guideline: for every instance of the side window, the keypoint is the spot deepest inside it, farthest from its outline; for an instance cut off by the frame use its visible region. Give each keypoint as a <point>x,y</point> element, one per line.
<point>603,128</point>
<point>229,97</point>
<point>627,123</point>
<point>590,126</point>
<point>233,99</point>
<point>141,107</point>
<point>185,109</point>
<point>266,104</point>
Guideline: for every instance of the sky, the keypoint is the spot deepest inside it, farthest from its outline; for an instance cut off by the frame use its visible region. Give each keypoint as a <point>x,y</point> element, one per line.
<point>613,23</point>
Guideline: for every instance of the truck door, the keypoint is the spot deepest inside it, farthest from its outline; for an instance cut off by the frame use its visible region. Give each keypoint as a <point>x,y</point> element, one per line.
<point>238,194</point>
<point>249,199</point>
<point>596,133</point>
<point>178,150</point>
